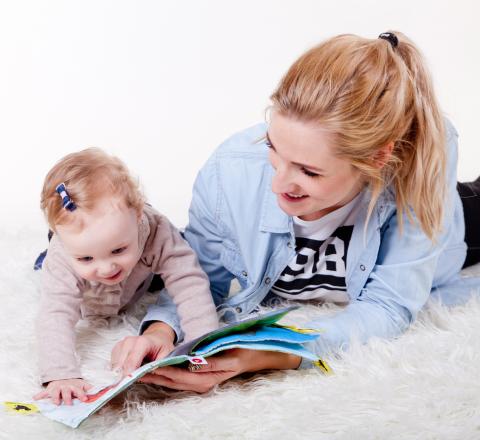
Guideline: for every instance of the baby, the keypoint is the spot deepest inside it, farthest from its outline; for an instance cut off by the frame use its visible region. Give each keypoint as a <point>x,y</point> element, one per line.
<point>106,247</point>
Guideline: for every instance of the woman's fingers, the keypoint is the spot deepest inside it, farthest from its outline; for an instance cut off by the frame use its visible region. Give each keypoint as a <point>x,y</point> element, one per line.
<point>188,382</point>
<point>227,361</point>
<point>129,353</point>
<point>119,353</point>
<point>163,382</point>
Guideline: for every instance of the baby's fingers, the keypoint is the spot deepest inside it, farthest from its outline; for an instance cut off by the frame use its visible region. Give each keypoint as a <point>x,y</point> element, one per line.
<point>67,395</point>
<point>41,395</point>
<point>80,392</point>
<point>55,395</point>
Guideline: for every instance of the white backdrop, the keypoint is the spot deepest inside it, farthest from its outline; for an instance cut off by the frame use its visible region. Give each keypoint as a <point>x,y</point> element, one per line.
<point>161,83</point>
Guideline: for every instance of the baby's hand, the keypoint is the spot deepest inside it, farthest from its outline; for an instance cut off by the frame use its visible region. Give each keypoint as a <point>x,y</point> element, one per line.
<point>64,389</point>
<point>155,343</point>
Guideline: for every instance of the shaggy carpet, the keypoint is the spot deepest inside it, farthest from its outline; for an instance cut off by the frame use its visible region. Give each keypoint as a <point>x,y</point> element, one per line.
<point>422,385</point>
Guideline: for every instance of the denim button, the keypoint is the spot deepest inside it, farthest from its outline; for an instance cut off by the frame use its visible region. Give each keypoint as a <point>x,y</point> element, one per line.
<point>289,244</point>
<point>362,267</point>
<point>244,273</point>
<point>238,309</point>
<point>267,280</point>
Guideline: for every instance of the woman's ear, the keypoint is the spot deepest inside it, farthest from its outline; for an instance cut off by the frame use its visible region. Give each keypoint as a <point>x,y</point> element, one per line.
<point>383,155</point>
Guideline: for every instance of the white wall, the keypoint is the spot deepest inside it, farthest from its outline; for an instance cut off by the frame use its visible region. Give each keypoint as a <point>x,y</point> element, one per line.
<point>162,83</point>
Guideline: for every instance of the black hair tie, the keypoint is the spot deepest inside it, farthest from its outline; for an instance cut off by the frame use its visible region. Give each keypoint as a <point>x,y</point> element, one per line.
<point>391,38</point>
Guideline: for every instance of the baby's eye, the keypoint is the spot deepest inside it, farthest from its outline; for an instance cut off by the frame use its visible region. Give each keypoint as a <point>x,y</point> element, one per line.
<point>119,250</point>
<point>84,259</point>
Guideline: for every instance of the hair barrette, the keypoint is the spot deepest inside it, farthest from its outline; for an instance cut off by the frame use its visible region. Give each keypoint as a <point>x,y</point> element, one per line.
<point>67,202</point>
<point>390,37</point>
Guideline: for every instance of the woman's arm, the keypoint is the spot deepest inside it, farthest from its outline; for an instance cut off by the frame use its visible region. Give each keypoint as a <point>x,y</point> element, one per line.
<point>220,368</point>
<point>204,230</point>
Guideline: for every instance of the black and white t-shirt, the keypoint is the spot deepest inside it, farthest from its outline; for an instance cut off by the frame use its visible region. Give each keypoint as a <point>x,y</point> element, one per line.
<point>319,267</point>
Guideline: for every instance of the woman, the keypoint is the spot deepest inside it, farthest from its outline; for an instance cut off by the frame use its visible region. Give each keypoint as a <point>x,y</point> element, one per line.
<point>347,195</point>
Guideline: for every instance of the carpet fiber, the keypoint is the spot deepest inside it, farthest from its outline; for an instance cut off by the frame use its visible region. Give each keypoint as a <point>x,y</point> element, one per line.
<point>423,385</point>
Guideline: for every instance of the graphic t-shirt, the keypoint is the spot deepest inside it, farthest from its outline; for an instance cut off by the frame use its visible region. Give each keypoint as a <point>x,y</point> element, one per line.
<point>319,267</point>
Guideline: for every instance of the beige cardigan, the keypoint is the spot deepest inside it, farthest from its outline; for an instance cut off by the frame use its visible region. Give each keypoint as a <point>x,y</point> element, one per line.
<point>66,297</point>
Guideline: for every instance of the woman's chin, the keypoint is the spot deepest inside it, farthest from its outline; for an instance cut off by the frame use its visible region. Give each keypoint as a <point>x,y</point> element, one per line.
<point>291,209</point>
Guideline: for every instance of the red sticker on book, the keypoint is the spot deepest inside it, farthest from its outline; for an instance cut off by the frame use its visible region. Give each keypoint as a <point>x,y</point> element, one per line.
<point>198,360</point>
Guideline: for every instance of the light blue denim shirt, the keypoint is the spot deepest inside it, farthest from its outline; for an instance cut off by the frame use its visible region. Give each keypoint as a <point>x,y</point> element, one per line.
<point>238,231</point>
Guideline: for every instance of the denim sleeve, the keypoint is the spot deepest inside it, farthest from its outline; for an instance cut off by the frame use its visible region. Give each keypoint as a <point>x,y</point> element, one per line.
<point>399,283</point>
<point>165,311</point>
<point>203,231</point>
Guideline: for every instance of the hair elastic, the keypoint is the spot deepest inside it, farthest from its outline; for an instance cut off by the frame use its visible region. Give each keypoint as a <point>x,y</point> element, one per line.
<point>67,202</point>
<point>390,37</point>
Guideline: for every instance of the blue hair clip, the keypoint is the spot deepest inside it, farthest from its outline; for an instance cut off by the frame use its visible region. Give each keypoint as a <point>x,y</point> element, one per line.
<point>67,202</point>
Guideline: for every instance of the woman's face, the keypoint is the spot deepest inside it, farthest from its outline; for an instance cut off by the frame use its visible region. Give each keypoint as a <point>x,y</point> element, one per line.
<point>310,181</point>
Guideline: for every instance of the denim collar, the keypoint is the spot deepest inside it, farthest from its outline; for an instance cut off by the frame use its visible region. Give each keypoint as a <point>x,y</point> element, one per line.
<point>272,218</point>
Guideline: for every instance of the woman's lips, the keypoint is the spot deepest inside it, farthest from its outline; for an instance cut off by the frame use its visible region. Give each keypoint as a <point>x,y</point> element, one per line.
<point>291,199</point>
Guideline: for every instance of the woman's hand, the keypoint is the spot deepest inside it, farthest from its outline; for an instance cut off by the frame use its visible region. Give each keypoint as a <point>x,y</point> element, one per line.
<point>220,368</point>
<point>66,390</point>
<point>155,343</point>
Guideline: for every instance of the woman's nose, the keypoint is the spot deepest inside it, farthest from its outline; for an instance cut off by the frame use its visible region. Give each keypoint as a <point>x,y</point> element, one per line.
<point>283,180</point>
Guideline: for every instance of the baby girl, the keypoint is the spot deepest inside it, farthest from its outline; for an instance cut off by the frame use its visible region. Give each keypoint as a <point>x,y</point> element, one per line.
<point>107,244</point>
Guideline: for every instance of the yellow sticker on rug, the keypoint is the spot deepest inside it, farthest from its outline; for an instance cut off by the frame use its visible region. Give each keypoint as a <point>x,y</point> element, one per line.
<point>323,366</point>
<point>25,408</point>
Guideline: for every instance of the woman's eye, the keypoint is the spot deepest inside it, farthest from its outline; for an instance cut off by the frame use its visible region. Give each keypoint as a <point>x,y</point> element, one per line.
<point>268,143</point>
<point>119,250</point>
<point>85,259</point>
<point>309,173</point>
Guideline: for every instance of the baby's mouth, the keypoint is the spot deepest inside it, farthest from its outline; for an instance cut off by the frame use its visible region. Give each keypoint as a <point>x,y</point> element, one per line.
<point>114,276</point>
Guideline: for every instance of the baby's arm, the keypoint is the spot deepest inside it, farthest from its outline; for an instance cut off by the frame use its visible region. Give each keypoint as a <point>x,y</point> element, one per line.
<point>55,327</point>
<point>176,262</point>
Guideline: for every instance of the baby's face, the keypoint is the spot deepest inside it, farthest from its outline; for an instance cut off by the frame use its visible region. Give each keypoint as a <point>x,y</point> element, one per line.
<point>102,244</point>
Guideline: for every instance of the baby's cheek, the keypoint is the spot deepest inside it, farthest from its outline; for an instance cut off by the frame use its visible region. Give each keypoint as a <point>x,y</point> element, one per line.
<point>130,261</point>
<point>82,272</point>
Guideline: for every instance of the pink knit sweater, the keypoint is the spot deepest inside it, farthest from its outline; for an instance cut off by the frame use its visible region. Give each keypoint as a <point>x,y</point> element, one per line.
<point>66,297</point>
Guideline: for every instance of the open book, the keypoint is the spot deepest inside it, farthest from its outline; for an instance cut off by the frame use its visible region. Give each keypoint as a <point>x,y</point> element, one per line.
<point>258,333</point>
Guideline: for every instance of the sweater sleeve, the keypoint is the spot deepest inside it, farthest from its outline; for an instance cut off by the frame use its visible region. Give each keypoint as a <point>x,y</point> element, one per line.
<point>170,256</point>
<point>59,312</point>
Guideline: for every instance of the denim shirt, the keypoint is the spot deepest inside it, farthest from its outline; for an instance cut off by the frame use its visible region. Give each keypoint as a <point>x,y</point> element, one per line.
<point>238,231</point>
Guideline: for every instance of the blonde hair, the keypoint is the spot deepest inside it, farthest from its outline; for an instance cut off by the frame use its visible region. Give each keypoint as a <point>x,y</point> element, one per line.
<point>89,175</point>
<point>369,93</point>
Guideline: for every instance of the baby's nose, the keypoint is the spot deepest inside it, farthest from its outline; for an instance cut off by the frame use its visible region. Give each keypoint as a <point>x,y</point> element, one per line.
<point>106,269</point>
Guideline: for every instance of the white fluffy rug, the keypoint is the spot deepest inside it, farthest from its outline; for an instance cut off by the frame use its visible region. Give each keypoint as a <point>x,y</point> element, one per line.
<point>423,385</point>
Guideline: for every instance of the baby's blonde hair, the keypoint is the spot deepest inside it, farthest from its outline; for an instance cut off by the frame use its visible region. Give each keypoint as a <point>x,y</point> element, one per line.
<point>369,93</point>
<point>89,175</point>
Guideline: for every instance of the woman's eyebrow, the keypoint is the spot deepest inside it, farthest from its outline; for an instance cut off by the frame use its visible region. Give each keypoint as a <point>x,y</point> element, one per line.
<point>310,167</point>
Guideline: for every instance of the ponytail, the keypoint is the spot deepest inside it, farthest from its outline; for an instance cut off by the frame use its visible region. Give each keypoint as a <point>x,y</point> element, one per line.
<point>369,93</point>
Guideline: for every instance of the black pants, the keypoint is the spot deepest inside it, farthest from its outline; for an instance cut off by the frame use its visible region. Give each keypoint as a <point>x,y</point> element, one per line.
<point>470,195</point>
